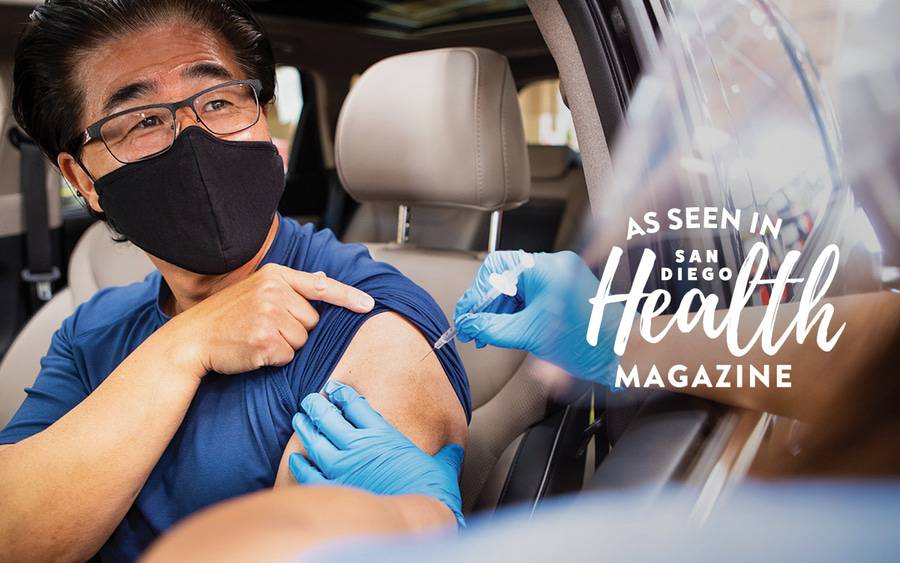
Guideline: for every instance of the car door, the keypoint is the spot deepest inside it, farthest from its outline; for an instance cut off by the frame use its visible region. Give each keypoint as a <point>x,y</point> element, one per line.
<point>656,438</point>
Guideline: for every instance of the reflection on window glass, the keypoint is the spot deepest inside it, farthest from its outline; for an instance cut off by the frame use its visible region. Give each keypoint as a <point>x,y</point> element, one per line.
<point>546,118</point>
<point>284,113</point>
<point>734,120</point>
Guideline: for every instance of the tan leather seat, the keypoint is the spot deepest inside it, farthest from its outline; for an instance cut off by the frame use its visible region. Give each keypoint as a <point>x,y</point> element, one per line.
<point>442,128</point>
<point>429,227</point>
<point>556,177</point>
<point>97,262</point>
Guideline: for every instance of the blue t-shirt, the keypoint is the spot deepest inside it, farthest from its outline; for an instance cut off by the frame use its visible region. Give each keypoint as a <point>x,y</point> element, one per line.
<point>235,430</point>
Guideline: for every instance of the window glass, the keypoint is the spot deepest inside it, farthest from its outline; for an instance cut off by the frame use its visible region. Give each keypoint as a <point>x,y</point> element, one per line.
<point>733,121</point>
<point>546,118</point>
<point>284,113</point>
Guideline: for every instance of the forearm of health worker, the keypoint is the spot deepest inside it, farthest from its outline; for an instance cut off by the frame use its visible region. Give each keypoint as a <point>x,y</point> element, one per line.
<point>817,378</point>
<point>553,315</point>
<point>66,488</point>
<point>281,524</point>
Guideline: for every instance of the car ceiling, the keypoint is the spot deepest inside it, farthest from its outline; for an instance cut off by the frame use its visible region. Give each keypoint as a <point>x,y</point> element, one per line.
<point>397,15</point>
<point>344,38</point>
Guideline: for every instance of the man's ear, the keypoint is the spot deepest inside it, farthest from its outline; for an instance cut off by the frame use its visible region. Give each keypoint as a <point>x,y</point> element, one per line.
<point>77,177</point>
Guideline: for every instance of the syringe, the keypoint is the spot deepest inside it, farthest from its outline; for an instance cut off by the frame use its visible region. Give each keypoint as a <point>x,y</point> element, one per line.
<point>503,283</point>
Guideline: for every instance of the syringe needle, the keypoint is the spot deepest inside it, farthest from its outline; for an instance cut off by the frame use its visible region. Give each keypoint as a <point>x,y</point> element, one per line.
<point>499,286</point>
<point>440,342</point>
<point>430,352</point>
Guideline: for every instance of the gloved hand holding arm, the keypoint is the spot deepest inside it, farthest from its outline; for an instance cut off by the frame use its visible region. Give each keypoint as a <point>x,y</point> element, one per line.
<point>552,314</point>
<point>349,443</point>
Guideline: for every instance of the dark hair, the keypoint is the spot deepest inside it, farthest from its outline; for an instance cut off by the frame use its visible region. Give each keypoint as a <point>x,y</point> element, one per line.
<point>47,98</point>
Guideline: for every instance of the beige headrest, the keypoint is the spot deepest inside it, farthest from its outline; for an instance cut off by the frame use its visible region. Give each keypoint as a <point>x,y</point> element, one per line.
<point>439,127</point>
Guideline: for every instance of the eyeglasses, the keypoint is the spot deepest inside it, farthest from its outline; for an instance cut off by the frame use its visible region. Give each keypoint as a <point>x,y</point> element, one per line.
<point>146,131</point>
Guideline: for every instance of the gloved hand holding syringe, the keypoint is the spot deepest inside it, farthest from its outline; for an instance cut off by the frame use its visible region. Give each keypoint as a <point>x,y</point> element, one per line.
<point>502,283</point>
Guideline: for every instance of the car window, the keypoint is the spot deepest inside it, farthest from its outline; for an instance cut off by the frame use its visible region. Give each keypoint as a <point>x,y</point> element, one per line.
<point>284,113</point>
<point>546,118</point>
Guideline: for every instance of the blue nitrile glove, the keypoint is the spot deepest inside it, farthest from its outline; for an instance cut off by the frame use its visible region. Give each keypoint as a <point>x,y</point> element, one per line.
<point>551,320</point>
<point>350,443</point>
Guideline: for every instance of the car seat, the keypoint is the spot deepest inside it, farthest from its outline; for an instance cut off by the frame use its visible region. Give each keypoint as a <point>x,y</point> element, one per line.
<point>97,262</point>
<point>552,219</point>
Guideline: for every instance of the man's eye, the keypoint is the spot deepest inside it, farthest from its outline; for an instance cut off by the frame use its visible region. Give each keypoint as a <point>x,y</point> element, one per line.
<point>216,105</point>
<point>149,121</point>
<point>144,124</point>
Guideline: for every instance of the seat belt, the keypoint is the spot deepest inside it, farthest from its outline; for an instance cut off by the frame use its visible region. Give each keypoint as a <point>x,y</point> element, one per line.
<point>40,271</point>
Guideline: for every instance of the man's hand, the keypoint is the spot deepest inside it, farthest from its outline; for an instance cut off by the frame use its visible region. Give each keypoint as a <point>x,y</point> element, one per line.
<point>356,446</point>
<point>262,320</point>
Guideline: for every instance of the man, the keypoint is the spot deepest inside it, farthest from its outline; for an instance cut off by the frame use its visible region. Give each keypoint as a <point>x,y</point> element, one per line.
<point>829,494</point>
<point>162,397</point>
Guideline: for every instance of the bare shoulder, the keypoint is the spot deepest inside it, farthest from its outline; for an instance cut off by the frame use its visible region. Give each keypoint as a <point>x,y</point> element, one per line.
<point>384,362</point>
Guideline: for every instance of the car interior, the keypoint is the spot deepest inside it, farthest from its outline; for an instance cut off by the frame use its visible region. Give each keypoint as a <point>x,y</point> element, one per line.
<point>402,123</point>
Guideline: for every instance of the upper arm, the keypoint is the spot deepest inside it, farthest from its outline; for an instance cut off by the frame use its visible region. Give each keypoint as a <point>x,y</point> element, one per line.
<point>57,389</point>
<point>384,363</point>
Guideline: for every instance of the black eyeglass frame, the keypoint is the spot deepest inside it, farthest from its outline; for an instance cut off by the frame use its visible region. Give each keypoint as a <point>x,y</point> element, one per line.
<point>92,132</point>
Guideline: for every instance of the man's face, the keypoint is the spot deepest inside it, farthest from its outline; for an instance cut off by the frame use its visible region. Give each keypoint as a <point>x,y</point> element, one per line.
<point>163,64</point>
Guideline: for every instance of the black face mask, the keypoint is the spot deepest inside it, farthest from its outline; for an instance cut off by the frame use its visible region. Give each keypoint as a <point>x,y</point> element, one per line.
<point>205,205</point>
